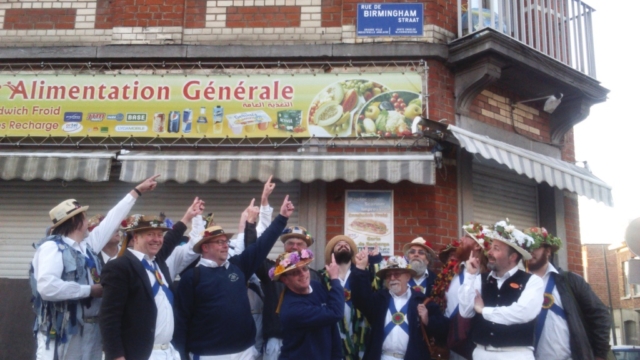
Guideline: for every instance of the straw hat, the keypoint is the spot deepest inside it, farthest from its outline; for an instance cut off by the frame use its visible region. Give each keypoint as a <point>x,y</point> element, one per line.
<point>444,252</point>
<point>419,241</point>
<point>208,234</point>
<point>508,234</point>
<point>478,232</point>
<point>542,237</point>
<point>289,261</point>
<point>332,243</point>
<point>296,232</point>
<point>140,222</point>
<point>65,211</point>
<point>395,263</point>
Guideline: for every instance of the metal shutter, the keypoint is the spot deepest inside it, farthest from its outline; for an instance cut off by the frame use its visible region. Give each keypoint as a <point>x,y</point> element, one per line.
<point>500,194</point>
<point>25,205</point>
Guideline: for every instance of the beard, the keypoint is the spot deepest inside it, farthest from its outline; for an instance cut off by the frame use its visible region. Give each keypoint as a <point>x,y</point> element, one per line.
<point>538,264</point>
<point>463,253</point>
<point>418,266</point>
<point>395,287</point>
<point>343,256</point>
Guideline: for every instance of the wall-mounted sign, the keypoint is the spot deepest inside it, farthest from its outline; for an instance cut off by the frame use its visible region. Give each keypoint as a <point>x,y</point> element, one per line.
<point>390,19</point>
<point>323,105</point>
<point>369,219</point>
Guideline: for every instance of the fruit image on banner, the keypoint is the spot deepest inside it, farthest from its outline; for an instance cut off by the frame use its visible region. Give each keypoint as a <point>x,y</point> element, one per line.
<point>236,106</point>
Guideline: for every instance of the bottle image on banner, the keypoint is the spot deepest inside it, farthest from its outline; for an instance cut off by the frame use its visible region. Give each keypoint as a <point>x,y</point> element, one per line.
<point>174,121</point>
<point>187,119</point>
<point>158,123</point>
<point>218,114</point>
<point>202,123</point>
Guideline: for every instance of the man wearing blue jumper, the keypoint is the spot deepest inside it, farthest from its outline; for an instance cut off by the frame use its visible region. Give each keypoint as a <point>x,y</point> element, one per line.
<point>309,313</point>
<point>212,312</point>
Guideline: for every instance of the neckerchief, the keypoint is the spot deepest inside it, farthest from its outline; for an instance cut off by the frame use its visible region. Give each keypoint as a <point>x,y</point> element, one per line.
<point>548,304</point>
<point>158,283</point>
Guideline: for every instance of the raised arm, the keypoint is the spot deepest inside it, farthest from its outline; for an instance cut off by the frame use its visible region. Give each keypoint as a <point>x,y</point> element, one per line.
<point>183,255</point>
<point>266,211</point>
<point>467,292</point>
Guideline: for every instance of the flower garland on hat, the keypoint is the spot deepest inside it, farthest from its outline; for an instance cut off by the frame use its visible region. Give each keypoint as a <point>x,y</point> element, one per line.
<point>509,233</point>
<point>541,237</point>
<point>289,261</point>
<point>478,231</point>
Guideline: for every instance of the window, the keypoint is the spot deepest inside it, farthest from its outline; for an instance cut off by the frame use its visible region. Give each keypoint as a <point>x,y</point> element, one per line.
<point>630,333</point>
<point>625,279</point>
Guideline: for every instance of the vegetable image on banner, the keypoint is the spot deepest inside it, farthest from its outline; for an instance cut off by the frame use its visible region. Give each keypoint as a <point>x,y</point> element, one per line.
<point>235,106</point>
<point>369,219</point>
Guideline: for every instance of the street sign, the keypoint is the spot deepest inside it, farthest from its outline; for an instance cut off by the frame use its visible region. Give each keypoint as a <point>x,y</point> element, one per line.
<point>390,19</point>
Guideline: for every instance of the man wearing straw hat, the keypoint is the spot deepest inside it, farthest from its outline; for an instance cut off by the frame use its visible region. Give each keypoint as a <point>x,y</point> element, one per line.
<point>310,313</point>
<point>505,302</point>
<point>419,254</point>
<point>397,313</point>
<point>573,322</point>
<point>213,315</point>
<point>136,318</point>
<point>65,279</point>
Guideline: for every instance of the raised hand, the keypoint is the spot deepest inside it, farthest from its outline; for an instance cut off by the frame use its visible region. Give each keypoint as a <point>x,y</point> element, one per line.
<point>266,191</point>
<point>252,212</point>
<point>423,313</point>
<point>362,259</point>
<point>332,269</point>
<point>375,251</point>
<point>149,184</point>
<point>195,209</point>
<point>473,264</point>
<point>287,207</point>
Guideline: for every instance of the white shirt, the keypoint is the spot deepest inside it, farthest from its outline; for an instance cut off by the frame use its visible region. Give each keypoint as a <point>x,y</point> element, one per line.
<point>452,293</point>
<point>397,340</point>
<point>48,266</point>
<point>106,258</point>
<point>522,311</point>
<point>236,246</point>
<point>212,264</point>
<point>347,309</point>
<point>554,340</point>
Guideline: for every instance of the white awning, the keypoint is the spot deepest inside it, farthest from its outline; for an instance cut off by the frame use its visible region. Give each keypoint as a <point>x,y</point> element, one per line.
<point>541,168</point>
<point>418,168</point>
<point>49,165</point>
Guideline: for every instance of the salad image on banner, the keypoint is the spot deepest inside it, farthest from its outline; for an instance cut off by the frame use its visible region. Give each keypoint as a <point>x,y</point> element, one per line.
<point>369,219</point>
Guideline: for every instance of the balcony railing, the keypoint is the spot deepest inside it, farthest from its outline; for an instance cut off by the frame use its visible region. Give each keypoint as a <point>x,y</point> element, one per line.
<point>561,29</point>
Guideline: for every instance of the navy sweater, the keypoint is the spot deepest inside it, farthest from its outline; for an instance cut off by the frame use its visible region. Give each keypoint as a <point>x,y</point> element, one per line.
<point>214,318</point>
<point>310,323</point>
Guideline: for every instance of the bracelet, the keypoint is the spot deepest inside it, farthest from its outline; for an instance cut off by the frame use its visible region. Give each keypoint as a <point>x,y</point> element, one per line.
<point>138,191</point>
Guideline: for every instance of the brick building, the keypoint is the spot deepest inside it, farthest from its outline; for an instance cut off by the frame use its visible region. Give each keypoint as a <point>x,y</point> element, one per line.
<point>487,148</point>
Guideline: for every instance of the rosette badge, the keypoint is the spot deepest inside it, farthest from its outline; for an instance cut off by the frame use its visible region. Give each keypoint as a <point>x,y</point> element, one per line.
<point>290,261</point>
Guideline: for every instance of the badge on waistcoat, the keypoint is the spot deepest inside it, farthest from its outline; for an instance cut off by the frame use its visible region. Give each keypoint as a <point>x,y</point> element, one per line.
<point>347,295</point>
<point>418,288</point>
<point>94,275</point>
<point>159,277</point>
<point>397,318</point>
<point>548,301</point>
<point>233,277</point>
<point>515,286</point>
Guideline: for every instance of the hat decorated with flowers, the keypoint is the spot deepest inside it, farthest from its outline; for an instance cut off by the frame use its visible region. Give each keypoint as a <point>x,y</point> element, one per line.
<point>394,263</point>
<point>95,220</point>
<point>290,261</point>
<point>505,232</point>
<point>208,234</point>
<point>420,242</point>
<point>296,232</point>
<point>140,222</point>
<point>542,237</point>
<point>445,251</point>
<point>478,232</point>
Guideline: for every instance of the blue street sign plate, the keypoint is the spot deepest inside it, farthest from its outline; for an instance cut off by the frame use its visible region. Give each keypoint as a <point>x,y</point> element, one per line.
<point>389,19</point>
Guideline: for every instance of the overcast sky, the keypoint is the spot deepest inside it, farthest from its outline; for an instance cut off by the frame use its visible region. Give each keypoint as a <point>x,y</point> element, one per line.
<point>610,137</point>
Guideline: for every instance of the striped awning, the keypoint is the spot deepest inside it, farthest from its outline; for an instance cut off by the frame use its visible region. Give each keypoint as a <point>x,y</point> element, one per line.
<point>28,165</point>
<point>202,167</point>
<point>541,168</point>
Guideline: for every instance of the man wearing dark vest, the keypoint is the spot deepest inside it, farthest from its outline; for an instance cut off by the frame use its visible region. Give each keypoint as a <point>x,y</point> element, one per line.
<point>505,302</point>
<point>573,324</point>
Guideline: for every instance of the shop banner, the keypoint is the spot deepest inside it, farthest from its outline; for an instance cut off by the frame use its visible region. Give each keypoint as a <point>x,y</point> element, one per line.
<point>255,106</point>
<point>369,219</point>
<point>390,19</point>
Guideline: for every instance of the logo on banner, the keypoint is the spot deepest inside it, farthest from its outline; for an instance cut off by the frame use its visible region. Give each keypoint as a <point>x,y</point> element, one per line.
<point>136,117</point>
<point>131,128</point>
<point>117,117</point>
<point>96,116</point>
<point>72,117</point>
<point>72,128</point>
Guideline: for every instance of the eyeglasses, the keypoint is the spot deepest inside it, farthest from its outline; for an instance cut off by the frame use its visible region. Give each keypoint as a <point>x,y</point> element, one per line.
<point>299,271</point>
<point>221,242</point>
<point>420,252</point>
<point>394,274</point>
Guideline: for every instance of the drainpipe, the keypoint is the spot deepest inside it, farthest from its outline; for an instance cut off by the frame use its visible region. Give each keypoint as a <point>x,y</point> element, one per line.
<point>613,323</point>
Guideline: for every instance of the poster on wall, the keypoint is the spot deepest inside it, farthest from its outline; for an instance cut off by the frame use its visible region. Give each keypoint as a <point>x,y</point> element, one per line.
<point>235,106</point>
<point>369,219</point>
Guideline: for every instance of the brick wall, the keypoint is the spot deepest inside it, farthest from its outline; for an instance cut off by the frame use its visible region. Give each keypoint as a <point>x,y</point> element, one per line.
<point>572,239</point>
<point>441,92</point>
<point>105,22</point>
<point>595,273</point>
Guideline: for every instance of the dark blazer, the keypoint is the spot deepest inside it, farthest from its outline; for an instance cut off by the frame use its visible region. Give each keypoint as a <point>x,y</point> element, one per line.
<point>374,306</point>
<point>128,312</point>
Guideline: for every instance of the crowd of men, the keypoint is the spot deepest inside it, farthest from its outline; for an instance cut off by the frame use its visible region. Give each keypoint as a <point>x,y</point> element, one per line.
<point>105,288</point>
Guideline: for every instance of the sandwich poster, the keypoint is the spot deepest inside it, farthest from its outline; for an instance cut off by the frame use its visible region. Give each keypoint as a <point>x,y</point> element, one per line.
<point>369,219</point>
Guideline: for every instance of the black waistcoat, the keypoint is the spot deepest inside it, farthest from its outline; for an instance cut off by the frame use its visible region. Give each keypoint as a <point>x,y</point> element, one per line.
<point>488,333</point>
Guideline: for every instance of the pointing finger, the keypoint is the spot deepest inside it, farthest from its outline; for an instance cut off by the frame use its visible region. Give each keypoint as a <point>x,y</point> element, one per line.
<point>252,201</point>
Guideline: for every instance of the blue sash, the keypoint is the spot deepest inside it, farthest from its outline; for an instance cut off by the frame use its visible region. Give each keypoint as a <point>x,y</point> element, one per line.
<point>457,309</point>
<point>548,304</point>
<point>422,287</point>
<point>397,318</point>
<point>93,267</point>
<point>158,283</point>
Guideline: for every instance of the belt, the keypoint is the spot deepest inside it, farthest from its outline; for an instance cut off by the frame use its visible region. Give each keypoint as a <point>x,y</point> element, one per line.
<point>160,346</point>
<point>90,319</point>
<point>504,349</point>
<point>392,354</point>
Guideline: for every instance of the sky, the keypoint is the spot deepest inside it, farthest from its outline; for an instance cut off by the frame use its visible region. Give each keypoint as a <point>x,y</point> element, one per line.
<point>609,138</point>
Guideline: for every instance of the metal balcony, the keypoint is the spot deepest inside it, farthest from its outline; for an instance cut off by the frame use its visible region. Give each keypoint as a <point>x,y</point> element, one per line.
<point>560,29</point>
